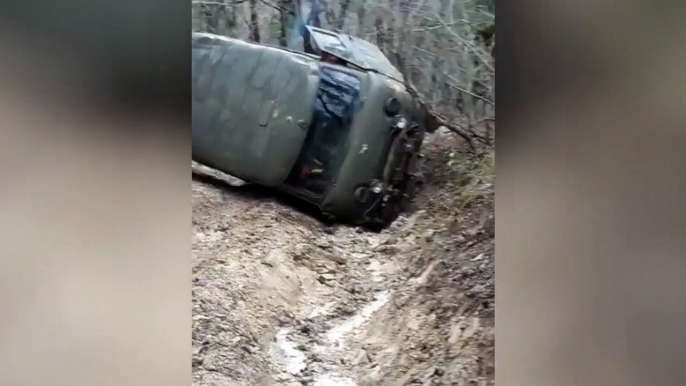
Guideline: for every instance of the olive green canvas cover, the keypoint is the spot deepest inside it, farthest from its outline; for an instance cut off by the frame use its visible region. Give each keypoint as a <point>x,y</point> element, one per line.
<point>251,106</point>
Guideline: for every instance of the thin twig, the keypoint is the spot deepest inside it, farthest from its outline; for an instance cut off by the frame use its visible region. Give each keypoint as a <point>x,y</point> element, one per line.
<point>278,8</point>
<point>459,130</point>
<point>464,42</point>
<point>435,27</point>
<point>458,88</point>
<point>217,3</point>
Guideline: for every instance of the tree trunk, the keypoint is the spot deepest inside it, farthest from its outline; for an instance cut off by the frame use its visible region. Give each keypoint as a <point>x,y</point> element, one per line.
<point>344,11</point>
<point>254,26</point>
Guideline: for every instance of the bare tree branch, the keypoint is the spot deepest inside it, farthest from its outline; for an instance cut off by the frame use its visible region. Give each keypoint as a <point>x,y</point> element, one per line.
<point>456,87</point>
<point>435,27</point>
<point>218,4</point>
<point>277,7</point>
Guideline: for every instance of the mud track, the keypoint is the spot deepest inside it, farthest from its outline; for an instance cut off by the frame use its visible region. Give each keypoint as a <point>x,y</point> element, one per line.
<point>282,298</point>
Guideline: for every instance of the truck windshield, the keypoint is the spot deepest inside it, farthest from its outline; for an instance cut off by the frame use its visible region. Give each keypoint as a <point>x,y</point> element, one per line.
<point>324,148</point>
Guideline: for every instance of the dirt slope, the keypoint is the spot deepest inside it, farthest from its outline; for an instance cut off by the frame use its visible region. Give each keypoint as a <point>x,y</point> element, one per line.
<point>280,298</point>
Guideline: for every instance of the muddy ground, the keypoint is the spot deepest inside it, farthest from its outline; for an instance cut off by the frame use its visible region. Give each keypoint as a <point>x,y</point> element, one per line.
<point>282,298</point>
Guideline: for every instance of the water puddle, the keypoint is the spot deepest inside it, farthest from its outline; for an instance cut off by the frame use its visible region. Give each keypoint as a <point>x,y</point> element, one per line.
<point>289,358</point>
<point>336,334</point>
<point>333,380</point>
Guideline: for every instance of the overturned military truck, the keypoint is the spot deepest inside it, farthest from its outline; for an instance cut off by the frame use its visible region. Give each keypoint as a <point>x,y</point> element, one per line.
<point>334,125</point>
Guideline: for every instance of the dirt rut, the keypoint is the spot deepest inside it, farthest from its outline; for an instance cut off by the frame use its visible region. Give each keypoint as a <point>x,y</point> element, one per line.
<point>279,298</point>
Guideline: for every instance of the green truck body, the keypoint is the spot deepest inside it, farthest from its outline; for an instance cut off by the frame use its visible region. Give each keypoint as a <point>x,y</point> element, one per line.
<point>335,125</point>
